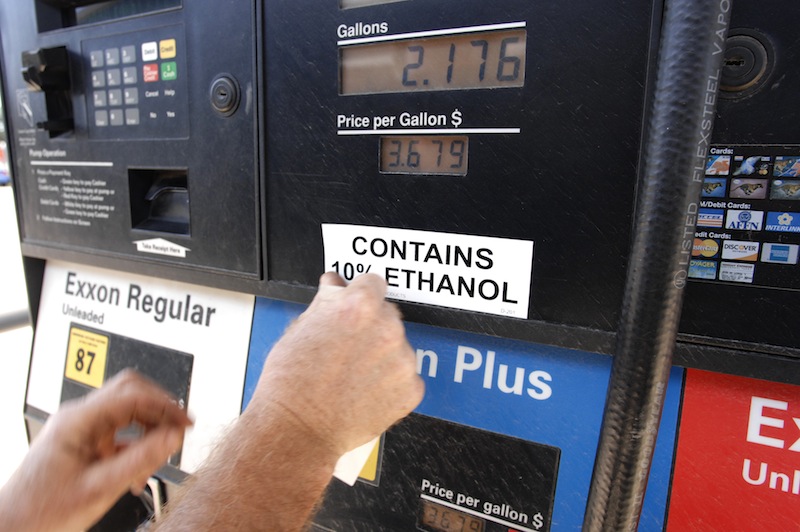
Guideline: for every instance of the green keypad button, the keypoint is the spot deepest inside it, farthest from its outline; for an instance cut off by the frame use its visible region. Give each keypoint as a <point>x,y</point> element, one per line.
<point>169,71</point>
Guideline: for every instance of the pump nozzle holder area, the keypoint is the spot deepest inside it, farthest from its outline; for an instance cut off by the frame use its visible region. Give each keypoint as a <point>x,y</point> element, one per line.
<point>46,71</point>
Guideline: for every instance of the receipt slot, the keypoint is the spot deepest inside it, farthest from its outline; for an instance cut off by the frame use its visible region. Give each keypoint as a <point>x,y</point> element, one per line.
<point>184,173</point>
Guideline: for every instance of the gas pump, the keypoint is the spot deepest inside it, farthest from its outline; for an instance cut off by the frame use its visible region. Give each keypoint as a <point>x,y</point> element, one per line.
<point>185,171</point>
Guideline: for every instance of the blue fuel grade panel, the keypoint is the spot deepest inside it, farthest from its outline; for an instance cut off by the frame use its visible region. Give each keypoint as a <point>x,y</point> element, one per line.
<point>502,399</point>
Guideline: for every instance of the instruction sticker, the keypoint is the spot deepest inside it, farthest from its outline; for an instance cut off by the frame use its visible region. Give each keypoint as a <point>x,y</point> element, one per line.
<point>477,273</point>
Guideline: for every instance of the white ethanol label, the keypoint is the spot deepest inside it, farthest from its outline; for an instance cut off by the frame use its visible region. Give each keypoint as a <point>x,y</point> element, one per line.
<point>477,273</point>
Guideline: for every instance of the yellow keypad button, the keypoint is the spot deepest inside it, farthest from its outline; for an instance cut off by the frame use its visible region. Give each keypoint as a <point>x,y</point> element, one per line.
<point>86,357</point>
<point>167,49</point>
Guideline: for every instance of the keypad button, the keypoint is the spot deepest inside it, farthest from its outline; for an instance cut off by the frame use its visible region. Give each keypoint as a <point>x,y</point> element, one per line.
<point>97,58</point>
<point>99,98</point>
<point>129,75</point>
<point>128,54</point>
<point>169,71</point>
<point>132,116</point>
<point>115,97</point>
<point>98,79</point>
<point>101,118</point>
<point>131,96</point>
<point>167,48</point>
<point>113,77</point>
<point>112,56</point>
<point>150,51</point>
<point>116,117</point>
<point>150,72</point>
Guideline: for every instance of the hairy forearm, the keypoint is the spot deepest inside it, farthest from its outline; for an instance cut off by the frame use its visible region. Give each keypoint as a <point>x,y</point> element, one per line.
<point>17,508</point>
<point>269,473</point>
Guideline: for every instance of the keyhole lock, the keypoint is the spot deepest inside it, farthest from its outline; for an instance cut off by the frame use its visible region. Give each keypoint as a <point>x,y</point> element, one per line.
<point>225,95</point>
<point>746,65</point>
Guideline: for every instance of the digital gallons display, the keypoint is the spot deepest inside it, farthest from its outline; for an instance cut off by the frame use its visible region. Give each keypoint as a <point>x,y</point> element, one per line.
<point>454,61</point>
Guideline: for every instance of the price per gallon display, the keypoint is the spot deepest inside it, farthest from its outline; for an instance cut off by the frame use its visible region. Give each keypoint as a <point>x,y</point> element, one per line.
<point>437,518</point>
<point>481,60</point>
<point>429,155</point>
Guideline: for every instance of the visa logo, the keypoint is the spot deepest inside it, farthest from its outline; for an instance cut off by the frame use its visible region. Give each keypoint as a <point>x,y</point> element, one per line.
<point>744,220</point>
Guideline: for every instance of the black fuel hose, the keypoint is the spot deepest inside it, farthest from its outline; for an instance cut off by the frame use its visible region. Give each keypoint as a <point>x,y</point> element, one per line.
<point>673,165</point>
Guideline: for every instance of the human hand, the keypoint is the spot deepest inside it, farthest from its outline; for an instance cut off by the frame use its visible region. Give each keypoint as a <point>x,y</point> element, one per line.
<point>344,369</point>
<point>341,374</point>
<point>76,470</point>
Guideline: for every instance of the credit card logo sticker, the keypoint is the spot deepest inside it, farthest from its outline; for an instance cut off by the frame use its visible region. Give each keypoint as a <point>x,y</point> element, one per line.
<point>718,165</point>
<point>736,272</point>
<point>735,250</point>
<point>780,253</point>
<point>714,187</point>
<point>783,222</point>
<point>710,217</point>
<point>703,269</point>
<point>749,188</point>
<point>787,167</point>
<point>744,220</point>
<point>758,165</point>
<point>785,190</point>
<point>707,248</point>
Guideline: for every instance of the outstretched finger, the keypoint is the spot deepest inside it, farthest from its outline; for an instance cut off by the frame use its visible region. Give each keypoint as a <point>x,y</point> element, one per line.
<point>139,460</point>
<point>130,398</point>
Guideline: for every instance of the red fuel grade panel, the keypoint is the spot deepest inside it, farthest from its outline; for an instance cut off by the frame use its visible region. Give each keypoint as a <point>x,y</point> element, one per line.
<point>738,458</point>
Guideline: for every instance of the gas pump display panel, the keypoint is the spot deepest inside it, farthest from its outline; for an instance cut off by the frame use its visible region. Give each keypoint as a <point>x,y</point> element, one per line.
<point>448,150</point>
<point>400,138</point>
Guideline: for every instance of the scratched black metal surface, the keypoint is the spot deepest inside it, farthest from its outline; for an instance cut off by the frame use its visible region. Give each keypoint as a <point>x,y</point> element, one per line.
<point>565,182</point>
<point>484,465</point>
<point>653,296</point>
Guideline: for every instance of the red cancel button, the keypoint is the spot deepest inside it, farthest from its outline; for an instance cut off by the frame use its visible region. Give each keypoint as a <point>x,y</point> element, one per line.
<point>738,456</point>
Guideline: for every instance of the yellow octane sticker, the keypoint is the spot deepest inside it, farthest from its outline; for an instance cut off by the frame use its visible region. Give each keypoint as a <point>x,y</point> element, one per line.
<point>86,357</point>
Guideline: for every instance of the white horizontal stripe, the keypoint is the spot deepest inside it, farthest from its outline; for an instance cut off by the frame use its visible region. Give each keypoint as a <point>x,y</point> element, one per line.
<point>431,33</point>
<point>476,130</point>
<point>72,163</point>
